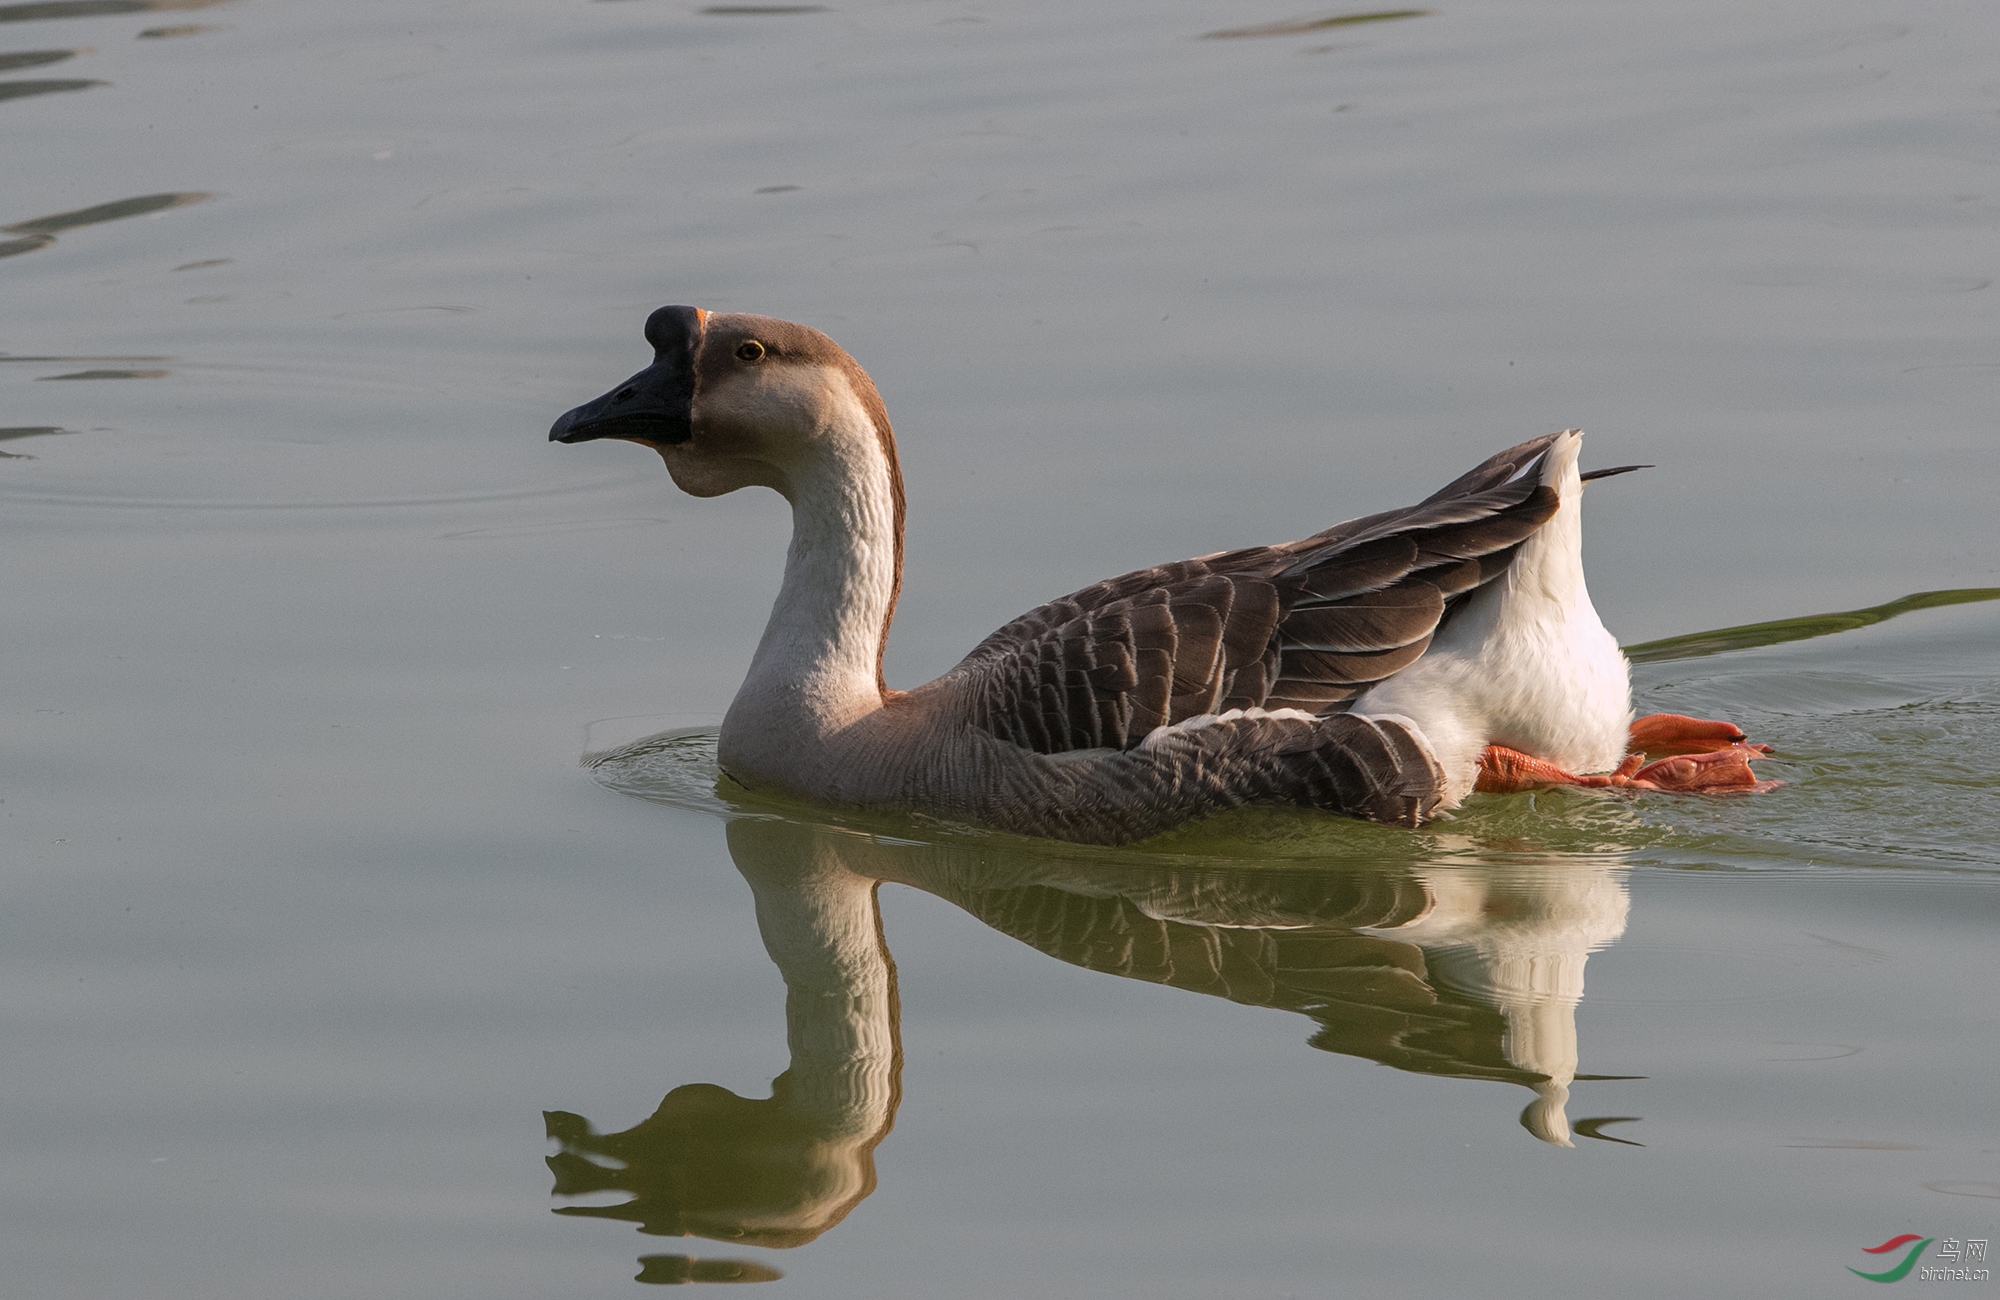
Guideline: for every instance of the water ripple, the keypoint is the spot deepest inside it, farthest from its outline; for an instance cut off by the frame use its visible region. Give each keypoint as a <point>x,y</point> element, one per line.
<point>1300,26</point>
<point>108,502</point>
<point>40,232</point>
<point>14,60</point>
<point>53,10</point>
<point>50,86</point>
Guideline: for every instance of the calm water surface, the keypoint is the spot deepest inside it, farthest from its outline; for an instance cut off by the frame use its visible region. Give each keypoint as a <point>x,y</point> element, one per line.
<point>323,960</point>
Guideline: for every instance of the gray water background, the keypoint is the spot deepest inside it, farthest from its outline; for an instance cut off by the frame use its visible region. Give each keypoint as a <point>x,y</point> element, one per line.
<point>309,909</point>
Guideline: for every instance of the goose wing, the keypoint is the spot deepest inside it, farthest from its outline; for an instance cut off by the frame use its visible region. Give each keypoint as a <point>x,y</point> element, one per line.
<point>1305,625</point>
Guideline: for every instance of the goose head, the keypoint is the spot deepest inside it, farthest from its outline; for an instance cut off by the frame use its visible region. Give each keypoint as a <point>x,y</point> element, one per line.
<point>734,400</point>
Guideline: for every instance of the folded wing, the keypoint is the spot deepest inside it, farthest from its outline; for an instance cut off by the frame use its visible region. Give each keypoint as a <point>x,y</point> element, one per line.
<point>1307,625</point>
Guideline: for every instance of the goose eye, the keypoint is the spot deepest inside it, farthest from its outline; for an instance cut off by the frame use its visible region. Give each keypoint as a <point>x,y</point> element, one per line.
<point>751,351</point>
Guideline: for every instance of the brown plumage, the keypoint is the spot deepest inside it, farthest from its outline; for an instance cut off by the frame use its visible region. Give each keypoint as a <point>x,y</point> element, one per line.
<point>1307,625</point>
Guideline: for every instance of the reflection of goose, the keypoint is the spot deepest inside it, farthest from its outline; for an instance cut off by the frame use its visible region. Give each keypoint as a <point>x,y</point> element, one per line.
<point>1466,971</point>
<point>1366,669</point>
<point>1517,940</point>
<point>781,1171</point>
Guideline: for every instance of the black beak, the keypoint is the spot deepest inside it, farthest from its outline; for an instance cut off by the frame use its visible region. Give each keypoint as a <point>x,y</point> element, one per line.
<point>655,405</point>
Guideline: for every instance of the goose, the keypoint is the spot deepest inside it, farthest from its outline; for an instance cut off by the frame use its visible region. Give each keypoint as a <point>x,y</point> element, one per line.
<point>1384,668</point>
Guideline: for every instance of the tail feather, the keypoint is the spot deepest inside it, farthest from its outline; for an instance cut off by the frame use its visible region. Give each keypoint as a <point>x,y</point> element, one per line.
<point>1615,469</point>
<point>1495,470</point>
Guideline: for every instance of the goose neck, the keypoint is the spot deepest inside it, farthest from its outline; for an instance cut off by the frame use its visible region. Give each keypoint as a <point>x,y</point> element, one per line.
<point>818,665</point>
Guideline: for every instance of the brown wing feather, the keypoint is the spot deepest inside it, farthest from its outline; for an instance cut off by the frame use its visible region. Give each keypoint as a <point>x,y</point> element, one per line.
<point>1307,625</point>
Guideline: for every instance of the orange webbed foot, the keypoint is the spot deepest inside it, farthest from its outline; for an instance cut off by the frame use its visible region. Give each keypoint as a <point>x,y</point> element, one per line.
<point>1509,771</point>
<point>1723,771</point>
<point>1676,733</point>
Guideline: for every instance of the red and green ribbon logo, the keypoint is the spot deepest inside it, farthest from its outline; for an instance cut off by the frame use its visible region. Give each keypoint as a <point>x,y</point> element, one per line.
<point>1901,1270</point>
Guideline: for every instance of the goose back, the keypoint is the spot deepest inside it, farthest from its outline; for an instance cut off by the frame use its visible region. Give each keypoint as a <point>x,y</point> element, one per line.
<point>1304,626</point>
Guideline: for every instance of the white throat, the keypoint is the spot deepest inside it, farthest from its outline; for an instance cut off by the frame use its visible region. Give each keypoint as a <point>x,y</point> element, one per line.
<point>816,667</point>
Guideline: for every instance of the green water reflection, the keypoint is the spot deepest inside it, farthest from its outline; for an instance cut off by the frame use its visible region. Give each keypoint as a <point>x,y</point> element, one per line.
<point>13,60</point>
<point>51,86</point>
<point>1695,645</point>
<point>55,10</point>
<point>40,232</point>
<point>1299,26</point>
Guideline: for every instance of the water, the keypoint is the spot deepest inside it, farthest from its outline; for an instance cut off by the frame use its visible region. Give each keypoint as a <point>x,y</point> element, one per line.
<point>311,912</point>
